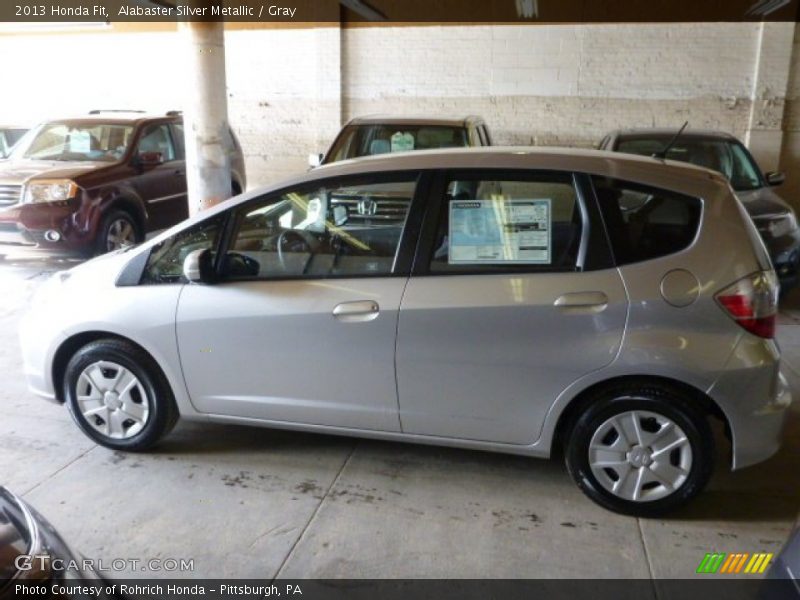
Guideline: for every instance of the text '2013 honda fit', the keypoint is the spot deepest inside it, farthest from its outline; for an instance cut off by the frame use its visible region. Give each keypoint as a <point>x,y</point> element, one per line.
<point>520,301</point>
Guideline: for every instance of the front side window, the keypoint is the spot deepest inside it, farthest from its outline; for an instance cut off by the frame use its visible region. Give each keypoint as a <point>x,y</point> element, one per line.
<point>158,138</point>
<point>528,224</point>
<point>165,264</point>
<point>645,223</point>
<point>79,142</point>
<point>370,140</point>
<point>322,231</point>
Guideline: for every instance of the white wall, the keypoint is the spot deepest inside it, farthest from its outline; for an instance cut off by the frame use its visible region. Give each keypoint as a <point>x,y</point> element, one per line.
<point>290,89</point>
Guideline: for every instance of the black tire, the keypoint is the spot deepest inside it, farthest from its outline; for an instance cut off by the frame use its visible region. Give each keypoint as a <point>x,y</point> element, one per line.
<point>664,401</point>
<point>101,245</point>
<point>163,412</point>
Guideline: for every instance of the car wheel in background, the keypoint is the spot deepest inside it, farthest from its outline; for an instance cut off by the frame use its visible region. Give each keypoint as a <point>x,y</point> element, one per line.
<point>641,450</point>
<point>118,395</point>
<point>118,230</point>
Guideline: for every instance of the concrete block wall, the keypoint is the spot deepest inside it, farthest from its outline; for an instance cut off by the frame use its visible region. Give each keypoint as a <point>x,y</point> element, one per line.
<point>558,84</point>
<point>290,89</point>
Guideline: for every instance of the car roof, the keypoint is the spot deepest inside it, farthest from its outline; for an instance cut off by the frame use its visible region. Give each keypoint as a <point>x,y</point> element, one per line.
<point>424,120</point>
<point>668,133</point>
<point>116,118</point>
<point>538,157</point>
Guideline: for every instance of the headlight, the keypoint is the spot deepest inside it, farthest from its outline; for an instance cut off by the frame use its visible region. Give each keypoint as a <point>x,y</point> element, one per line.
<point>50,191</point>
<point>783,225</point>
<point>779,225</point>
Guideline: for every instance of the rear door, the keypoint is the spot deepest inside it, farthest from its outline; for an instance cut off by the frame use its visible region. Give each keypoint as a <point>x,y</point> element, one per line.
<point>512,299</point>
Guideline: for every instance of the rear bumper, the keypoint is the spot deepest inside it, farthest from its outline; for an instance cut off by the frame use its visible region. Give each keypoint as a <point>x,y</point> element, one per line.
<point>755,398</point>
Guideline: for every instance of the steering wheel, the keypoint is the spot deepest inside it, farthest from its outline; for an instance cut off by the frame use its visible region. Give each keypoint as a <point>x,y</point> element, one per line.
<point>295,240</point>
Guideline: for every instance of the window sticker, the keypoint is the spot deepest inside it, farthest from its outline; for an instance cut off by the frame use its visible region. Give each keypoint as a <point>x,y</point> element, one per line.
<point>80,142</point>
<point>500,231</point>
<point>402,142</point>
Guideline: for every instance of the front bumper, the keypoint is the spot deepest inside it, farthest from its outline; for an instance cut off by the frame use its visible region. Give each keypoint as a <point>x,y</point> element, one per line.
<point>784,251</point>
<point>39,336</point>
<point>755,398</point>
<point>26,227</point>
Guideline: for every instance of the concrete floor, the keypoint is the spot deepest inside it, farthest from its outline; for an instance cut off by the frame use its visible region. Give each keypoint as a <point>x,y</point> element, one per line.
<point>247,502</point>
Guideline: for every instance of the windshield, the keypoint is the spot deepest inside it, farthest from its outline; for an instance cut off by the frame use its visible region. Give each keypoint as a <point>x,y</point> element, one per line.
<point>368,140</point>
<point>76,142</point>
<point>728,157</point>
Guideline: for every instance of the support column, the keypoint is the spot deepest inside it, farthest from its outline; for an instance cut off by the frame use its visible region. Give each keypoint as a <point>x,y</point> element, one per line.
<point>770,81</point>
<point>208,168</point>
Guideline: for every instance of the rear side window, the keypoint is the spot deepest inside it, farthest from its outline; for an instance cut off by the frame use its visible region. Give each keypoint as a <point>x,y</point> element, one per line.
<point>497,225</point>
<point>644,222</point>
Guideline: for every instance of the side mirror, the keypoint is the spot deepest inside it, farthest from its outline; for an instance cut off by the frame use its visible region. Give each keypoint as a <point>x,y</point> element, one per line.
<point>198,266</point>
<point>775,178</point>
<point>315,160</point>
<point>150,159</point>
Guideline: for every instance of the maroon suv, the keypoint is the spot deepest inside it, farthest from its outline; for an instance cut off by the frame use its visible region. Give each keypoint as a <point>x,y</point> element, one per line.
<point>94,184</point>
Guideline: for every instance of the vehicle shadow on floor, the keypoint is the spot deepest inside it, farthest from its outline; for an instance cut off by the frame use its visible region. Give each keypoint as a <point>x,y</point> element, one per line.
<point>768,491</point>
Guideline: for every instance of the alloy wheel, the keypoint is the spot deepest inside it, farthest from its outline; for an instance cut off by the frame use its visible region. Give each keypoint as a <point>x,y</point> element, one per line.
<point>121,234</point>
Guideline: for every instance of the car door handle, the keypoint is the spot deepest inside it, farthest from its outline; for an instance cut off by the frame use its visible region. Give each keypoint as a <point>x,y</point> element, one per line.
<point>582,302</point>
<point>356,312</point>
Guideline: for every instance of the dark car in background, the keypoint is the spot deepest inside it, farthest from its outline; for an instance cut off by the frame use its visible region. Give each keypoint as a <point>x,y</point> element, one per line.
<point>773,217</point>
<point>89,185</point>
<point>783,578</point>
<point>9,136</point>
<point>368,136</point>
<point>33,553</point>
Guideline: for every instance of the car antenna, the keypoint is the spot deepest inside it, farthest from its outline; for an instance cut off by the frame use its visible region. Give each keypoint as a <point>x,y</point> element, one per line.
<point>662,154</point>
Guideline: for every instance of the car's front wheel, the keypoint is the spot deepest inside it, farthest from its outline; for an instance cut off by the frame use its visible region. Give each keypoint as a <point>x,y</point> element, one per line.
<point>118,230</point>
<point>641,450</point>
<point>118,396</point>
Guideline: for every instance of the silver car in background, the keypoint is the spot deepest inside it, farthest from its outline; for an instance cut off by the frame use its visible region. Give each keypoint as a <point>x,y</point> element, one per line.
<point>526,301</point>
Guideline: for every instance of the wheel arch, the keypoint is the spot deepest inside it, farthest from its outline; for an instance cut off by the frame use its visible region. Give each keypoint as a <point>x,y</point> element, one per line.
<point>133,207</point>
<point>72,344</point>
<point>584,397</point>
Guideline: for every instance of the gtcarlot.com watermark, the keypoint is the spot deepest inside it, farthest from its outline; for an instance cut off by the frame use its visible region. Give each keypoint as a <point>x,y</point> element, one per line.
<point>43,562</point>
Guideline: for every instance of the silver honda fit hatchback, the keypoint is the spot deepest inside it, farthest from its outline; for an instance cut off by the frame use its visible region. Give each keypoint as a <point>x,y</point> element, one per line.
<point>524,301</point>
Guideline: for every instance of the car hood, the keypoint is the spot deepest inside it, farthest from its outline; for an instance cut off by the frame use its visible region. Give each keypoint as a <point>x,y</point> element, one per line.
<point>20,171</point>
<point>103,269</point>
<point>763,202</point>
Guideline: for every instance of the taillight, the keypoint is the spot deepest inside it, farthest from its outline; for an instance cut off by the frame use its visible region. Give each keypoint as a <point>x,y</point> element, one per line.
<point>753,302</point>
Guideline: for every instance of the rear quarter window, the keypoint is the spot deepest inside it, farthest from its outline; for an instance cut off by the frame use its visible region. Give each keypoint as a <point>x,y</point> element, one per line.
<point>644,222</point>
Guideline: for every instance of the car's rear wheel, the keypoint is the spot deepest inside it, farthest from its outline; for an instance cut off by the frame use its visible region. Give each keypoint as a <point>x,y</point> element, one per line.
<point>119,230</point>
<point>118,396</point>
<point>641,449</point>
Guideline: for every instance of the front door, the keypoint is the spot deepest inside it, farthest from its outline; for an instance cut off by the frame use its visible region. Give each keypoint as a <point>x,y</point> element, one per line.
<point>161,185</point>
<point>507,312</point>
<point>301,328</point>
